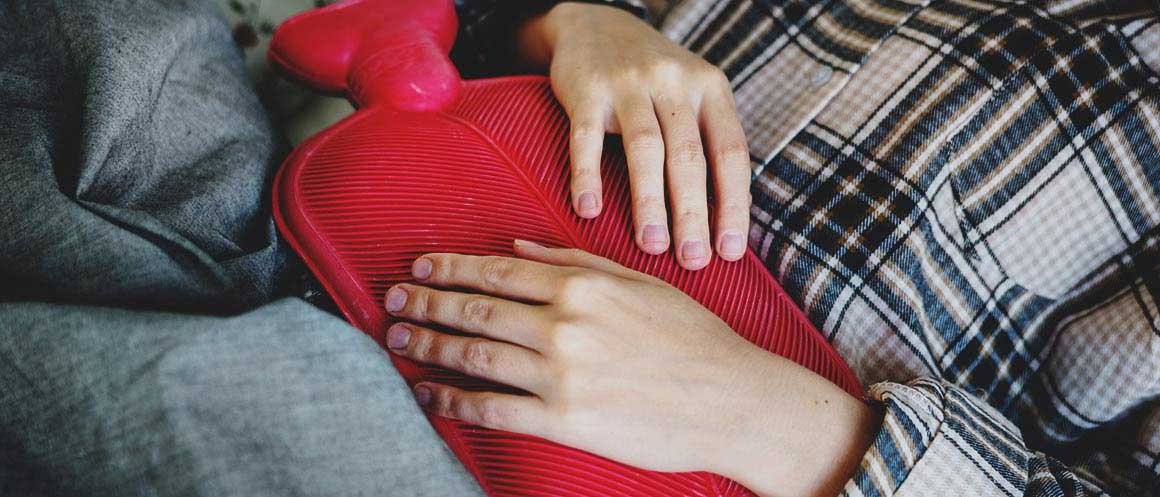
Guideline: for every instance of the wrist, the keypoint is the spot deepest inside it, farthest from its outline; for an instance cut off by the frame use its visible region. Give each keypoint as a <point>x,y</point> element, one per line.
<point>536,37</point>
<point>533,46</point>
<point>802,435</point>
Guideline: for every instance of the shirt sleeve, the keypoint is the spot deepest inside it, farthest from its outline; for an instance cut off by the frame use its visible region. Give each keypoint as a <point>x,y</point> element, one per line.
<point>938,439</point>
<point>486,42</point>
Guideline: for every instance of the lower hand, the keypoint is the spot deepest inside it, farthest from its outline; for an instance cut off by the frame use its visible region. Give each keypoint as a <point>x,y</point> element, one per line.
<point>625,366</point>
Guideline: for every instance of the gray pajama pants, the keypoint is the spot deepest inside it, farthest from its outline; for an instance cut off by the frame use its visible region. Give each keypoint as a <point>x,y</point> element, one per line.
<point>146,343</point>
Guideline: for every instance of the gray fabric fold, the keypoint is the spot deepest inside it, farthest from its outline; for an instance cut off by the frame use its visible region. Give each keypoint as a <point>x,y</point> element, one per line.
<point>140,353</point>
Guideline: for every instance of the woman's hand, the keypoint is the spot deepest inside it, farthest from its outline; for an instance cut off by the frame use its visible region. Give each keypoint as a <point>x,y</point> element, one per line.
<point>615,74</point>
<point>623,365</point>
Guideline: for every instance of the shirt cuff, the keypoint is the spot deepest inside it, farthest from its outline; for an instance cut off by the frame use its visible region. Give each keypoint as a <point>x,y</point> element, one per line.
<point>637,7</point>
<point>939,439</point>
<point>914,414</point>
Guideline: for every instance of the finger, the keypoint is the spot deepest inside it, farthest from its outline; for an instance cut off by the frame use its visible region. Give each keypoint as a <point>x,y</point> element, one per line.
<point>499,276</point>
<point>493,410</point>
<point>729,156</point>
<point>586,143</point>
<point>644,150</point>
<point>575,258</point>
<point>685,169</point>
<point>491,317</point>
<point>479,357</point>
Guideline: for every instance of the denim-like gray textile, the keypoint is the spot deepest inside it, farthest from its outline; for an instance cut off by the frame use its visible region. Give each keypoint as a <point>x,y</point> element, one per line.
<point>140,353</point>
<point>279,401</point>
<point>135,157</point>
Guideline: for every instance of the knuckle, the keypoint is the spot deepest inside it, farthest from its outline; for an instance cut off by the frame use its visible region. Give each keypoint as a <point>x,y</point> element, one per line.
<point>422,346</point>
<point>477,311</point>
<point>448,404</point>
<point>733,153</point>
<point>690,212</point>
<point>568,416</point>
<point>667,69</point>
<point>586,130</point>
<point>735,205</point>
<point>558,336</point>
<point>577,294</point>
<point>689,153</point>
<point>478,358</point>
<point>491,413</point>
<point>441,265</point>
<point>619,77</point>
<point>594,82</point>
<point>575,286</point>
<point>644,141</point>
<point>496,272</point>
<point>573,345</point>
<point>569,385</point>
<point>713,75</point>
<point>421,301</point>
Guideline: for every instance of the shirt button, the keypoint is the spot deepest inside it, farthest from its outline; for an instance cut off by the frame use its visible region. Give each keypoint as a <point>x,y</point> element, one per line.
<point>822,76</point>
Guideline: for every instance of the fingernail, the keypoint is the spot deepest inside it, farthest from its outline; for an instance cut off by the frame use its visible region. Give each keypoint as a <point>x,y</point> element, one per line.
<point>655,237</point>
<point>732,243</point>
<point>588,206</point>
<point>694,251</point>
<point>423,396</point>
<point>398,336</point>
<point>421,269</point>
<point>396,299</point>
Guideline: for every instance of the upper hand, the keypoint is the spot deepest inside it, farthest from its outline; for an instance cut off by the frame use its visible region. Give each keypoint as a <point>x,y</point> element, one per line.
<point>615,74</point>
<point>625,366</point>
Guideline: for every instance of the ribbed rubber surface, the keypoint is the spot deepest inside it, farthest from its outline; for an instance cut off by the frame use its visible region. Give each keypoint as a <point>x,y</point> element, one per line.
<point>366,197</point>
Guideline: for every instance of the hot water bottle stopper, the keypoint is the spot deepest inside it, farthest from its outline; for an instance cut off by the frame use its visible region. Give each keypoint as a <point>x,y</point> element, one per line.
<point>429,163</point>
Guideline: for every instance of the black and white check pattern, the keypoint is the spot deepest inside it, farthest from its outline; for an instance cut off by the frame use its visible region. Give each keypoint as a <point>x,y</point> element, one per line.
<point>964,196</point>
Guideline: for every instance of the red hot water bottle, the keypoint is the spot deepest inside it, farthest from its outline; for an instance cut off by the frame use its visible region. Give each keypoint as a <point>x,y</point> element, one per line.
<point>432,163</point>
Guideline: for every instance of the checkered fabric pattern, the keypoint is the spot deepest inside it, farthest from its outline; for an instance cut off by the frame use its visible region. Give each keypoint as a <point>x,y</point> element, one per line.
<point>964,196</point>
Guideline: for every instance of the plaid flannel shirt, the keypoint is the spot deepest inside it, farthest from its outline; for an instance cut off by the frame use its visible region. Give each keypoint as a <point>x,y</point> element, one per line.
<point>964,196</point>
